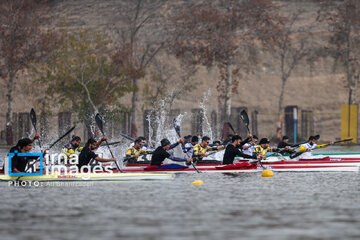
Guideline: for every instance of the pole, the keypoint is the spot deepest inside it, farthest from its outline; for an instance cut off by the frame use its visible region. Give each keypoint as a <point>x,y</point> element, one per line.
<point>295,120</point>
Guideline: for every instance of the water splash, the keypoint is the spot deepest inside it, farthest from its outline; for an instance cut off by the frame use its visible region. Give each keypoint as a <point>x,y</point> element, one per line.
<point>206,128</point>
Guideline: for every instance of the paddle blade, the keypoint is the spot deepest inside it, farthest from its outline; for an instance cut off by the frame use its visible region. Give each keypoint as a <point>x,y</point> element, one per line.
<point>244,117</point>
<point>295,154</point>
<point>99,122</point>
<point>33,117</point>
<point>177,127</point>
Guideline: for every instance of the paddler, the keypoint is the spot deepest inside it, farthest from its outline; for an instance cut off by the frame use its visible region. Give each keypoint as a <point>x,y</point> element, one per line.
<point>87,154</point>
<point>311,145</point>
<point>133,152</point>
<point>73,147</point>
<point>19,163</point>
<point>263,148</point>
<point>201,149</point>
<point>143,143</point>
<point>232,150</point>
<point>248,147</point>
<point>160,153</point>
<point>284,145</point>
<point>189,147</point>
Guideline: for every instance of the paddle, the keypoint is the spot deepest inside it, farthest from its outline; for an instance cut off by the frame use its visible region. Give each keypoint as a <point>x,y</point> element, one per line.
<point>296,154</point>
<point>99,122</point>
<point>33,121</point>
<point>298,144</point>
<point>231,127</point>
<point>127,137</point>
<point>114,143</point>
<point>177,130</point>
<point>245,119</point>
<point>60,138</point>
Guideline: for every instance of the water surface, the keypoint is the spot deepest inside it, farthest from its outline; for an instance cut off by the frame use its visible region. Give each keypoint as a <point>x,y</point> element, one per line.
<point>242,206</point>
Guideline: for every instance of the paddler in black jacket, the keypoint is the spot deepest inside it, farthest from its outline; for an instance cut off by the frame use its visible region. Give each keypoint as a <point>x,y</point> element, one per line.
<point>232,150</point>
<point>24,145</point>
<point>87,154</point>
<point>160,153</point>
<point>284,146</point>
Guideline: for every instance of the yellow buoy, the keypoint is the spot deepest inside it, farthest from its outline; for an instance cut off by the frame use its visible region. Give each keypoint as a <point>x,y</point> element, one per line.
<point>267,173</point>
<point>197,182</point>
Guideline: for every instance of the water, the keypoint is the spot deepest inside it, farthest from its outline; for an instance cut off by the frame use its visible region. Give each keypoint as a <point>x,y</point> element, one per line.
<point>242,206</point>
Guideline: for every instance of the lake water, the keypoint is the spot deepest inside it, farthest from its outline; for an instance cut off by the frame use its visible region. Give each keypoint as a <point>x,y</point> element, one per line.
<point>244,206</point>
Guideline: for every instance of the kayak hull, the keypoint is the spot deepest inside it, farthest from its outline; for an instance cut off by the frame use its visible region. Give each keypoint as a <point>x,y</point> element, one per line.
<point>92,177</point>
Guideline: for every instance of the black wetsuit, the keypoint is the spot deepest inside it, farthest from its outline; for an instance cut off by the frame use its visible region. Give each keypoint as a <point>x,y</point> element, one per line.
<point>85,157</point>
<point>283,145</point>
<point>20,162</point>
<point>160,154</point>
<point>231,152</point>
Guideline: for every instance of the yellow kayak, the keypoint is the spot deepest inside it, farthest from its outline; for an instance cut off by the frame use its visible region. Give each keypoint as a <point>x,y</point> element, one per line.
<point>92,177</point>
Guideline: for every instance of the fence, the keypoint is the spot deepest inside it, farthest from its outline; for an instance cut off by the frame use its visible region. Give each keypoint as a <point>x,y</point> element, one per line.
<point>262,124</point>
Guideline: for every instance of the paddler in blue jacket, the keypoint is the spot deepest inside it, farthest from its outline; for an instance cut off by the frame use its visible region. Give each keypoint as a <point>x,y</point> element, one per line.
<point>189,147</point>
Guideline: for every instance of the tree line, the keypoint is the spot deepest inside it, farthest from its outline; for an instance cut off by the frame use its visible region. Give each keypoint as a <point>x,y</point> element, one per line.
<point>161,44</point>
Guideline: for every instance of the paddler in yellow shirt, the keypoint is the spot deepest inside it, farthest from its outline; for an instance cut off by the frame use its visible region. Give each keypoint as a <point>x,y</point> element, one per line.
<point>73,147</point>
<point>133,152</point>
<point>201,149</point>
<point>263,148</point>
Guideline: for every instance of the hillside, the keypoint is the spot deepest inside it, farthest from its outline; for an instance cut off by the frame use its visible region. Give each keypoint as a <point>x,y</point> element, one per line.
<point>312,87</point>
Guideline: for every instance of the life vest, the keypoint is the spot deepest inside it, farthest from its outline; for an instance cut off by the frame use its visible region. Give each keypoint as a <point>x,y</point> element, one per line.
<point>262,151</point>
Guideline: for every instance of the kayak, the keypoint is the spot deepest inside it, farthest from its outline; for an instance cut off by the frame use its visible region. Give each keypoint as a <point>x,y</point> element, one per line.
<point>240,167</point>
<point>144,161</point>
<point>318,163</point>
<point>92,177</point>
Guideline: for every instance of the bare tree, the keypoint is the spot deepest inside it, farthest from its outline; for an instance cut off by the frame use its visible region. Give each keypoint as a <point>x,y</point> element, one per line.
<point>21,43</point>
<point>168,79</point>
<point>293,44</point>
<point>224,34</point>
<point>141,39</point>
<point>343,18</point>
